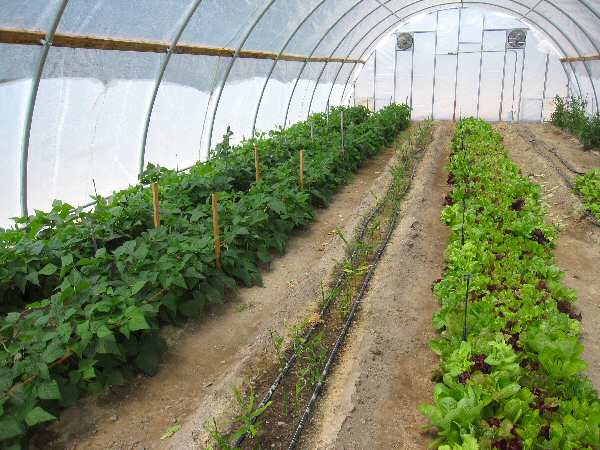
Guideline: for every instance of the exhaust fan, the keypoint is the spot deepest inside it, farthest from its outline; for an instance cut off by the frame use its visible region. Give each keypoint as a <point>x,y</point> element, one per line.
<point>404,41</point>
<point>516,38</point>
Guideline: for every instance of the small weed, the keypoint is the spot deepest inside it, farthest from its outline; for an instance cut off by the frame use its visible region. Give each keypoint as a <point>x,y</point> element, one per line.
<point>170,432</point>
<point>345,303</point>
<point>278,341</point>
<point>338,232</point>
<point>245,422</point>
<point>241,307</point>
<point>311,355</point>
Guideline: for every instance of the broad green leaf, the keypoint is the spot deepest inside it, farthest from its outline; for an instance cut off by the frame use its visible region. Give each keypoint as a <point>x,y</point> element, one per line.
<point>48,390</point>
<point>33,278</point>
<point>53,352</point>
<point>67,260</point>
<point>48,269</point>
<point>38,415</point>
<point>137,286</point>
<point>9,428</point>
<point>137,321</point>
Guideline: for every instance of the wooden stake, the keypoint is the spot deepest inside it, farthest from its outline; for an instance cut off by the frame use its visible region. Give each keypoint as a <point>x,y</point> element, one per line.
<point>215,211</point>
<point>68,40</point>
<point>301,169</point>
<point>155,204</point>
<point>342,128</point>
<point>256,163</point>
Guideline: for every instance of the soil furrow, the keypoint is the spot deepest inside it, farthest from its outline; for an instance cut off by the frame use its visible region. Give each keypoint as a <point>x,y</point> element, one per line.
<point>578,244</point>
<point>385,370</point>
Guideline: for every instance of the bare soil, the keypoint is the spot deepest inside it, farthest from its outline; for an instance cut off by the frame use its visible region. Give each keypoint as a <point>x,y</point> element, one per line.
<point>384,372</point>
<point>207,358</point>
<point>578,245</point>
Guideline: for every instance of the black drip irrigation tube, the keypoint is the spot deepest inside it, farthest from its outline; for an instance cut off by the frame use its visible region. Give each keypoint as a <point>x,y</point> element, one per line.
<point>527,136</point>
<point>342,336</point>
<point>340,279</point>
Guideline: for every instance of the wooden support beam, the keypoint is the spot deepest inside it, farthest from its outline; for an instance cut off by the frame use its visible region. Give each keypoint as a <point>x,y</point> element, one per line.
<point>34,37</point>
<point>581,58</point>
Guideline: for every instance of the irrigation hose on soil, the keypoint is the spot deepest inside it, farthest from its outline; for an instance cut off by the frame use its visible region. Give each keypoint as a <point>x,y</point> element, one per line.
<point>527,136</point>
<point>342,336</point>
<point>292,359</point>
<point>366,221</point>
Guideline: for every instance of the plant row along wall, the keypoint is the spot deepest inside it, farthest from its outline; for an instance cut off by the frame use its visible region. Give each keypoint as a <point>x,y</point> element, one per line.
<point>570,114</point>
<point>103,282</point>
<point>589,187</point>
<point>516,382</point>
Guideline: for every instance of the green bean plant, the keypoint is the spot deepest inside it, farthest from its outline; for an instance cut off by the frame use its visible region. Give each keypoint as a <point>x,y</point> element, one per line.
<point>84,293</point>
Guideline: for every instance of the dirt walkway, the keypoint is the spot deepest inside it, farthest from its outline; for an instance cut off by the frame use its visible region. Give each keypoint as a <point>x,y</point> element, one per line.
<point>208,357</point>
<point>385,370</point>
<point>578,246</point>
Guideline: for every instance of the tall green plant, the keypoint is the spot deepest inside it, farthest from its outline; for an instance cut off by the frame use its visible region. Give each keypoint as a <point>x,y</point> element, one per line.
<point>108,280</point>
<point>571,114</point>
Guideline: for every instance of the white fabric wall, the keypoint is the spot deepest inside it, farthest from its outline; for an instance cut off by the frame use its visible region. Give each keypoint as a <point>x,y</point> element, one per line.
<point>495,103</point>
<point>92,105</point>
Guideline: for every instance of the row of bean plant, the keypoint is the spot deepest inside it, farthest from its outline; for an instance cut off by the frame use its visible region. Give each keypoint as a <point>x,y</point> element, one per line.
<point>84,294</point>
<point>571,115</point>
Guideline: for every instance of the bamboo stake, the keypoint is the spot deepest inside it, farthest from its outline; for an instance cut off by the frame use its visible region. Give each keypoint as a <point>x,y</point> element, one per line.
<point>301,169</point>
<point>155,204</point>
<point>342,128</point>
<point>256,163</point>
<point>580,58</point>
<point>215,211</point>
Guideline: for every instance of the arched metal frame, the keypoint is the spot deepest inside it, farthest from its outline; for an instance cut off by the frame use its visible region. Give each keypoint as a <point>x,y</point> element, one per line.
<point>283,47</point>
<point>47,43</point>
<point>35,84</point>
<point>589,38</point>
<point>221,85</point>
<point>451,4</point>
<point>381,5</point>
<point>182,26</point>
<point>535,25</point>
<point>314,49</point>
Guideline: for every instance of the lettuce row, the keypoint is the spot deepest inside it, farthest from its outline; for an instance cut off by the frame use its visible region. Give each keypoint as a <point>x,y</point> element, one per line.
<point>517,381</point>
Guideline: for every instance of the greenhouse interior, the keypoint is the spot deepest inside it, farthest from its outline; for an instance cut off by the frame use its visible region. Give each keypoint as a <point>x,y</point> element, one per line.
<point>300,224</point>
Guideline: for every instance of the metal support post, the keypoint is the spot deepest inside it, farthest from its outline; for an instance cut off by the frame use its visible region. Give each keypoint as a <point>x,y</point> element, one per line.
<point>545,86</point>
<point>502,89</point>
<point>512,105</point>
<point>395,70</point>
<point>437,14</point>
<point>456,70</point>
<point>374,79</point>
<point>521,87</point>
<point>480,66</point>
<point>412,71</point>
<point>35,84</point>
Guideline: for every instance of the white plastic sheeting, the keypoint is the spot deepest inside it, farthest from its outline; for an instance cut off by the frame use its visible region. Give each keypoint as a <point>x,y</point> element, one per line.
<point>92,106</point>
<point>471,77</point>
